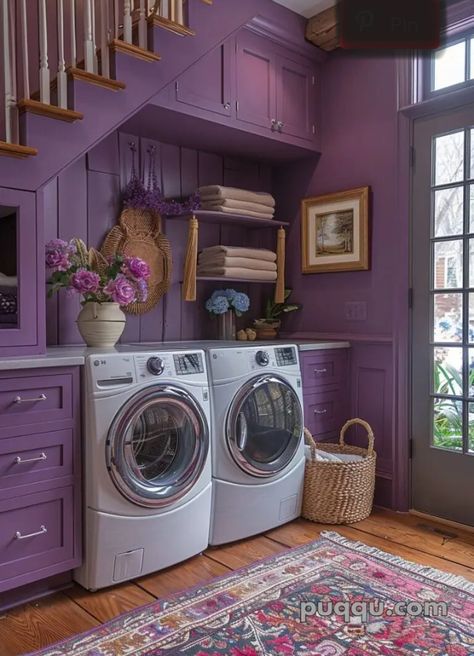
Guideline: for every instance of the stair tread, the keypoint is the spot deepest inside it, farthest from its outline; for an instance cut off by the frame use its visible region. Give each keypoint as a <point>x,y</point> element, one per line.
<point>17,150</point>
<point>172,26</point>
<point>93,78</point>
<point>51,111</point>
<point>117,45</point>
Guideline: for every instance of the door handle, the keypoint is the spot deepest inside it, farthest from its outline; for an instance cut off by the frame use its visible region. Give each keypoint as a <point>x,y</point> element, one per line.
<point>19,400</point>
<point>321,412</point>
<point>320,371</point>
<point>19,461</point>
<point>42,530</point>
<point>243,432</point>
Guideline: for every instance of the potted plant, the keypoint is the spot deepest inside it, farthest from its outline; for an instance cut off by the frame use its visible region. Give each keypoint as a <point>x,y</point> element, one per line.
<point>226,304</point>
<point>105,286</point>
<point>268,326</point>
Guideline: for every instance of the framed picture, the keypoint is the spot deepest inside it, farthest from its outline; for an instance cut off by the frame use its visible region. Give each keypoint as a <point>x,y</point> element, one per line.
<point>335,232</point>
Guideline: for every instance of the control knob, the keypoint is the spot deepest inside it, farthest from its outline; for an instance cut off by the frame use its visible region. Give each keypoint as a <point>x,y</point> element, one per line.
<point>262,358</point>
<point>155,366</point>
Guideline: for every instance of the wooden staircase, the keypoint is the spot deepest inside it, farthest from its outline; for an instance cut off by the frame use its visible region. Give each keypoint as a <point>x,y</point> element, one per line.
<point>131,48</point>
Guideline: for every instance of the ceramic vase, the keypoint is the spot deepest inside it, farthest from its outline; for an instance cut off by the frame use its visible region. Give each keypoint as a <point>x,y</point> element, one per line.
<point>226,326</point>
<point>101,324</point>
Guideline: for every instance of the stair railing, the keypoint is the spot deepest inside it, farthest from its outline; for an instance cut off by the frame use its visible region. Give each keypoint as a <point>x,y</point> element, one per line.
<point>64,36</point>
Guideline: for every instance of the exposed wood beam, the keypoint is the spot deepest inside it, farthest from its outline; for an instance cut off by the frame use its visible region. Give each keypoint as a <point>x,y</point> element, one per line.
<point>323,30</point>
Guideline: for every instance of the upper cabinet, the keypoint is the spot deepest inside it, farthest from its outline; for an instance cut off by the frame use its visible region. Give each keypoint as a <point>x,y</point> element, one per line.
<point>275,89</point>
<point>207,84</point>
<point>21,277</point>
<point>256,81</point>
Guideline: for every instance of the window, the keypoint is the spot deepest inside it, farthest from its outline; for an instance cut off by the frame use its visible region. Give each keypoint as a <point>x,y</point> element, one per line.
<point>452,65</point>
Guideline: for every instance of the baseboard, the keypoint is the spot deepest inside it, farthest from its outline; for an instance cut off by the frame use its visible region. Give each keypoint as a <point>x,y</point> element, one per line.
<point>441,520</point>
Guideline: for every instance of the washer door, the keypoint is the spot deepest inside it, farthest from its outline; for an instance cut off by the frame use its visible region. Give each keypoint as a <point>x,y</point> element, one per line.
<point>264,426</point>
<point>157,446</point>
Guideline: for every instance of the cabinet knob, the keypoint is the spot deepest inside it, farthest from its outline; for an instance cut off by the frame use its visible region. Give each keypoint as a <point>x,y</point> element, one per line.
<point>227,105</point>
<point>280,126</point>
<point>274,124</point>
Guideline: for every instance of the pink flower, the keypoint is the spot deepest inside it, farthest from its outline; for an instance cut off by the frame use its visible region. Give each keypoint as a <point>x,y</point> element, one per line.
<point>121,290</point>
<point>57,260</point>
<point>85,282</point>
<point>137,267</point>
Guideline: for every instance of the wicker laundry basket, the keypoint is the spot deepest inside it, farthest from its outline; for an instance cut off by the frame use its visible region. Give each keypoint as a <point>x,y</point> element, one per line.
<point>339,493</point>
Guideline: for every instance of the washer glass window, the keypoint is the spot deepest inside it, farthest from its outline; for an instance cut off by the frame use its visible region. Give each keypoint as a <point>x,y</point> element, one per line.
<point>264,426</point>
<point>157,446</point>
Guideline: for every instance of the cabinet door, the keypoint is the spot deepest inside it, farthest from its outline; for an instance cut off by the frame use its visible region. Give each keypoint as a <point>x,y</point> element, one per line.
<point>296,98</point>
<point>20,273</point>
<point>207,85</point>
<point>256,80</point>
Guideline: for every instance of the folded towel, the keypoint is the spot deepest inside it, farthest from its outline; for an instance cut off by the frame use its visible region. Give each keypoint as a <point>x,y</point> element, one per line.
<point>8,281</point>
<point>220,260</point>
<point>241,251</point>
<point>231,210</point>
<point>237,272</point>
<point>239,206</point>
<point>233,193</point>
<point>326,456</point>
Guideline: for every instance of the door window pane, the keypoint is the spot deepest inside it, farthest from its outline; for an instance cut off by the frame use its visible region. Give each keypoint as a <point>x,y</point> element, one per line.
<point>449,66</point>
<point>471,319</point>
<point>447,424</point>
<point>448,317</point>
<point>449,212</point>
<point>448,269</point>
<point>449,158</point>
<point>472,153</point>
<point>471,68</point>
<point>471,372</point>
<point>447,378</point>
<point>471,428</point>
<point>471,208</point>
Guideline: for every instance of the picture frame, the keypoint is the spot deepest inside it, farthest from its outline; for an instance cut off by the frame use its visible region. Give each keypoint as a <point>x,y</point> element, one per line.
<point>335,232</point>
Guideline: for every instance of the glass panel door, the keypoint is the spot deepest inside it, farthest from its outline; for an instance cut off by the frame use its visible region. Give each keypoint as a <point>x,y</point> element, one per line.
<point>264,426</point>
<point>443,316</point>
<point>157,446</point>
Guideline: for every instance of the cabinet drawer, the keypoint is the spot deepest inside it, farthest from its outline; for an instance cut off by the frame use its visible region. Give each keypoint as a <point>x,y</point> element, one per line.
<point>324,412</point>
<point>34,458</point>
<point>34,400</point>
<point>323,368</point>
<point>36,531</point>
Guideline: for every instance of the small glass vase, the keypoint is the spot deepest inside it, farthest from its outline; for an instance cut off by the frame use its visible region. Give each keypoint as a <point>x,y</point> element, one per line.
<point>226,326</point>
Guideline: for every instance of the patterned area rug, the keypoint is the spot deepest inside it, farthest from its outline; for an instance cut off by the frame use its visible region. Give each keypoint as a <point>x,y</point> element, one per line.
<point>330,597</point>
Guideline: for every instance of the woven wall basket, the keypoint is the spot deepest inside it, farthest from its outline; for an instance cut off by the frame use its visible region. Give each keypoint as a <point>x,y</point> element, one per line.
<point>139,235</point>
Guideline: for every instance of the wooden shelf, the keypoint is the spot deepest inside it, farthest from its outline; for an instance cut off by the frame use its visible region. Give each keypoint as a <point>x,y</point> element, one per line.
<point>234,219</point>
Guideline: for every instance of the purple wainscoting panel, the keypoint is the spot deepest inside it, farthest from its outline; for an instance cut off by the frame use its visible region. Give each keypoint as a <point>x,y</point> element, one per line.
<point>103,207</point>
<point>105,156</point>
<point>72,222</point>
<point>48,197</point>
<point>211,169</point>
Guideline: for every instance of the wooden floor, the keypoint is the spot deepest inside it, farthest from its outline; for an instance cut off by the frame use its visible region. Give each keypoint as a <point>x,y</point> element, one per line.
<point>42,623</point>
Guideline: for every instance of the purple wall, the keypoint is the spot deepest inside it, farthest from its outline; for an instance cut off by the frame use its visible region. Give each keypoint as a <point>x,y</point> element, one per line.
<point>359,148</point>
<point>84,201</point>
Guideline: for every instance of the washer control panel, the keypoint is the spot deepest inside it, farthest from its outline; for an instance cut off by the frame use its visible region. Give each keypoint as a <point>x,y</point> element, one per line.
<point>286,356</point>
<point>262,358</point>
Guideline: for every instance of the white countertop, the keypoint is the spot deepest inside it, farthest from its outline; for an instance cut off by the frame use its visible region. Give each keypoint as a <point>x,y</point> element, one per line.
<point>70,356</point>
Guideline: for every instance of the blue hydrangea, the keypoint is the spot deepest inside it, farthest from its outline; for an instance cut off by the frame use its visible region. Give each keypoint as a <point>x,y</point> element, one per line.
<point>241,303</point>
<point>217,304</point>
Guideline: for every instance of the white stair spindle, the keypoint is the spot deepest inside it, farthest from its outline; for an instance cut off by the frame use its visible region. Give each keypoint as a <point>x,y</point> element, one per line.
<point>116,19</point>
<point>89,47</point>
<point>164,10</point>
<point>24,50</point>
<point>93,7</point>
<point>15,126</point>
<point>62,76</point>
<point>179,12</point>
<point>127,21</point>
<point>142,26</point>
<point>8,107</point>
<point>73,34</point>
<point>44,73</point>
<point>172,10</point>
<point>104,38</point>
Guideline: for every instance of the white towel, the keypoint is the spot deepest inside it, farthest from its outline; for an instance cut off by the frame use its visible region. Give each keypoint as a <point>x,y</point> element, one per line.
<point>8,281</point>
<point>241,251</point>
<point>239,206</point>
<point>237,272</point>
<point>231,210</point>
<point>326,456</point>
<point>220,260</point>
<point>233,193</point>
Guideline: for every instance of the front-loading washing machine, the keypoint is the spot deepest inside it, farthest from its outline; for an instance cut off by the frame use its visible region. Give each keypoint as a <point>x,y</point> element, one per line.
<point>147,467</point>
<point>257,439</point>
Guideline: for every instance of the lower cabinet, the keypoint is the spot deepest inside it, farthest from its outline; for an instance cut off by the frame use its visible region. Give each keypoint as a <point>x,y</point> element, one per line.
<point>325,391</point>
<point>40,476</point>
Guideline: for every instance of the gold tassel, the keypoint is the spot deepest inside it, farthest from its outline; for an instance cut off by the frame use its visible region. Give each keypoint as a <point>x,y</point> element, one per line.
<point>280,283</point>
<point>190,264</point>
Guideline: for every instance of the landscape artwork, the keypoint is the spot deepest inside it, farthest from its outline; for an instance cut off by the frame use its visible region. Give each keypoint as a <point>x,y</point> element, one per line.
<point>335,233</point>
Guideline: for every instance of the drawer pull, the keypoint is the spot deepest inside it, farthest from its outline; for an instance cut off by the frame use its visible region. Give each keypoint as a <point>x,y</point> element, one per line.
<point>19,399</point>
<point>321,412</point>
<point>320,371</point>
<point>20,461</point>
<point>42,530</point>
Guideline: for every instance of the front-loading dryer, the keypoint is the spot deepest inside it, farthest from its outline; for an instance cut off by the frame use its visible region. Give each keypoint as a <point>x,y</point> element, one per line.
<point>147,468</point>
<point>257,446</point>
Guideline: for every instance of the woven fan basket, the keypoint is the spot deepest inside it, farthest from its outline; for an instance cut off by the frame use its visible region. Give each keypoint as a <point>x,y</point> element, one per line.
<point>339,493</point>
